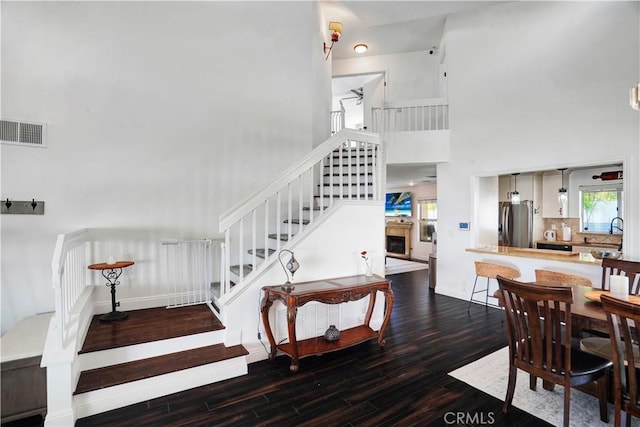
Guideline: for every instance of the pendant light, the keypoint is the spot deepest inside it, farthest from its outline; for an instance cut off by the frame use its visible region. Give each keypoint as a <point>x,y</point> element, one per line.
<point>562,191</point>
<point>515,196</point>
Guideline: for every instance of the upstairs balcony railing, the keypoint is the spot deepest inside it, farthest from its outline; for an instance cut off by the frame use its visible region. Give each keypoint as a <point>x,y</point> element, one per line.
<point>337,120</point>
<point>413,115</point>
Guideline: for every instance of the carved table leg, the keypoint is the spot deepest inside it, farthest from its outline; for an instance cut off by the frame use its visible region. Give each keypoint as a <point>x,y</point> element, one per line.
<point>292,312</point>
<point>265,305</point>
<point>388,294</point>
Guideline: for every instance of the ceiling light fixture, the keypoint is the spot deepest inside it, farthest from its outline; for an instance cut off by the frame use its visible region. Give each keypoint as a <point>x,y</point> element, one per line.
<point>360,48</point>
<point>336,32</point>
<point>515,196</point>
<point>562,192</point>
<point>634,97</point>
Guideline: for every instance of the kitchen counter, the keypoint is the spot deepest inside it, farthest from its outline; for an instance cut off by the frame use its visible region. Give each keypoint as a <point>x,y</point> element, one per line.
<point>551,255</point>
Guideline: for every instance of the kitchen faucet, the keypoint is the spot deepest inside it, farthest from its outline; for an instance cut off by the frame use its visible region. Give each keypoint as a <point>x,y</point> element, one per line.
<point>611,229</point>
<point>611,225</point>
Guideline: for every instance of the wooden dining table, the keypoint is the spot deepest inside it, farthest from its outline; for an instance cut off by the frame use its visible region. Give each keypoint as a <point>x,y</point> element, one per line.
<point>586,314</point>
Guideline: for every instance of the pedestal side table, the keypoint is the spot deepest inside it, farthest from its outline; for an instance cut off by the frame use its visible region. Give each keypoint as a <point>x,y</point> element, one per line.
<point>112,273</point>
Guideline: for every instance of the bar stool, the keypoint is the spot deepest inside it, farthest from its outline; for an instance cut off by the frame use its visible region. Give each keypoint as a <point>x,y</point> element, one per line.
<point>564,278</point>
<point>490,271</point>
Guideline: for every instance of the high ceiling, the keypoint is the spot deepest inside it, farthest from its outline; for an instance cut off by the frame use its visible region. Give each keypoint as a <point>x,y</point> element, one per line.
<point>392,26</point>
<point>388,27</point>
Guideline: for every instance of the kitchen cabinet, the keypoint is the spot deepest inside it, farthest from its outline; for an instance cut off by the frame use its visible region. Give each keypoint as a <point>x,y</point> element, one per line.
<point>551,208</point>
<point>523,183</point>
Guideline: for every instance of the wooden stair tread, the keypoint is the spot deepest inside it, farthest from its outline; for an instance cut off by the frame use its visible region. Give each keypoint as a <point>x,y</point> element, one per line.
<point>142,326</point>
<point>113,375</point>
<point>348,174</point>
<point>297,221</point>
<point>260,252</point>
<point>284,237</point>
<point>246,269</point>
<point>345,184</point>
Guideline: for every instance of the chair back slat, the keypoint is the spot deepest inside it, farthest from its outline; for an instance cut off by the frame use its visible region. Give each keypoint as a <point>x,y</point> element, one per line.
<point>621,267</point>
<point>622,317</point>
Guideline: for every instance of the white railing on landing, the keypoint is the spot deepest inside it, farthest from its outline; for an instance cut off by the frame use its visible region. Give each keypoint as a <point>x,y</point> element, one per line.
<point>413,115</point>
<point>349,165</point>
<point>69,267</point>
<point>337,120</point>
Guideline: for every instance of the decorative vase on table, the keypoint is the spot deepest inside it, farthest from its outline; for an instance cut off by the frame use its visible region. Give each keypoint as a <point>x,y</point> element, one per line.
<point>332,334</point>
<point>365,257</point>
<point>369,272</point>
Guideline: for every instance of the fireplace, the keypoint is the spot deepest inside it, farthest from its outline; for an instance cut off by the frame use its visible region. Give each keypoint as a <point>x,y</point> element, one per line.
<point>398,239</point>
<point>396,244</point>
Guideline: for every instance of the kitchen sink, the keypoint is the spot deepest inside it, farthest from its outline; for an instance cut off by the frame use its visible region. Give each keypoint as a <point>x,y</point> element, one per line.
<point>599,253</point>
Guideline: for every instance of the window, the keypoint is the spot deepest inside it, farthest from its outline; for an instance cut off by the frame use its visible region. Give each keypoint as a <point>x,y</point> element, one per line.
<point>599,205</point>
<point>427,218</point>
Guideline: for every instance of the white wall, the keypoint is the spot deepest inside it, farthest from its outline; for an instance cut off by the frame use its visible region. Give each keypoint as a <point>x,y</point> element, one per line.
<point>426,191</point>
<point>417,146</point>
<point>155,113</point>
<point>409,75</point>
<point>536,86</point>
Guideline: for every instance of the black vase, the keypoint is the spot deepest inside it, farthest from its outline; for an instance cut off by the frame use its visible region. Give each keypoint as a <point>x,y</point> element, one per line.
<point>332,334</point>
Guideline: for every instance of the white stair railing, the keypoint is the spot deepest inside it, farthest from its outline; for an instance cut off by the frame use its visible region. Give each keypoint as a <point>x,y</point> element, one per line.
<point>414,115</point>
<point>349,165</point>
<point>69,268</point>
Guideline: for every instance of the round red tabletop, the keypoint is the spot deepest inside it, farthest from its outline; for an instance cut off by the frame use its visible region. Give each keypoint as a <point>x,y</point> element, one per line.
<point>105,266</point>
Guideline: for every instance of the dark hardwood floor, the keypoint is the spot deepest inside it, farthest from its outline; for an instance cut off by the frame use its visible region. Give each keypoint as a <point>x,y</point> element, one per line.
<point>404,384</point>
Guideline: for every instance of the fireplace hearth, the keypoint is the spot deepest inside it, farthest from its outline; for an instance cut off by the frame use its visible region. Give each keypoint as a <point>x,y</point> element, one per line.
<point>398,239</point>
<point>396,244</point>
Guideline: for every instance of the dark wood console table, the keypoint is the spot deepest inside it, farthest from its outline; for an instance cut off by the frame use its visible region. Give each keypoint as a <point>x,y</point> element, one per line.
<point>330,291</point>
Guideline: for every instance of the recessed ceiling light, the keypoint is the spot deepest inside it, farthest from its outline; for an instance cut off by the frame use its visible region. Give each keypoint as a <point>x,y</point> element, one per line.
<point>360,48</point>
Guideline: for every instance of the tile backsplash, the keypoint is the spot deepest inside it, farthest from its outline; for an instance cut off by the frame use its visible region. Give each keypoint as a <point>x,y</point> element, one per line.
<point>576,235</point>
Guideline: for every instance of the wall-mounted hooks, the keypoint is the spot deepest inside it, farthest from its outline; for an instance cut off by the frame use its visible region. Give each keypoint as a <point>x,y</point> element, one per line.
<point>23,207</point>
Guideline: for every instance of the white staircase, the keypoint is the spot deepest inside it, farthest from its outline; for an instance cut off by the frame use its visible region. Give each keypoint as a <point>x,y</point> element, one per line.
<point>348,166</point>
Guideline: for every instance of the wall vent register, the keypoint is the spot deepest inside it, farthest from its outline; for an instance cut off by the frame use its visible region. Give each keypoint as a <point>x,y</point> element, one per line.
<point>21,133</point>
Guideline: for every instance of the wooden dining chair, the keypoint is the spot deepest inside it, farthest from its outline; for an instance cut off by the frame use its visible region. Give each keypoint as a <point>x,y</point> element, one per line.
<point>621,267</point>
<point>540,344</point>
<point>564,278</point>
<point>490,271</point>
<point>622,316</point>
<point>599,344</point>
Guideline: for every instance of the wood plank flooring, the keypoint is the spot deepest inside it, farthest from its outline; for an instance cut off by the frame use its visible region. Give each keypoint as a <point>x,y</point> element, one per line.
<point>148,325</point>
<point>404,384</point>
<point>140,369</point>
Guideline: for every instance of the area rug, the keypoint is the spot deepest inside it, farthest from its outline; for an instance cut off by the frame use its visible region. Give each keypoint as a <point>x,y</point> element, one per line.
<point>396,265</point>
<point>490,375</point>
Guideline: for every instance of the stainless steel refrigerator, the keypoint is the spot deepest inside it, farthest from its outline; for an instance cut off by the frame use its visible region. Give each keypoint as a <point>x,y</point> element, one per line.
<point>516,224</point>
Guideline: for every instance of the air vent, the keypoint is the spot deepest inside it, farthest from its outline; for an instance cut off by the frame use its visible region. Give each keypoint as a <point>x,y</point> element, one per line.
<point>21,133</point>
